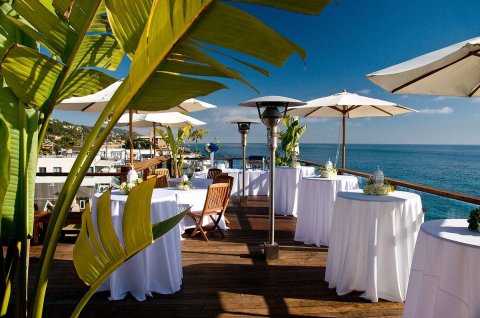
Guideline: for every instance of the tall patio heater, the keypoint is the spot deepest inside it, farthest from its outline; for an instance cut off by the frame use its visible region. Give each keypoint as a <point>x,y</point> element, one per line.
<point>272,117</point>
<point>243,128</point>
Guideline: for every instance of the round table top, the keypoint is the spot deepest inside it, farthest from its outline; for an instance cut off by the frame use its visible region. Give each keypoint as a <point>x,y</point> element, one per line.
<point>452,230</point>
<point>334,178</point>
<point>396,196</point>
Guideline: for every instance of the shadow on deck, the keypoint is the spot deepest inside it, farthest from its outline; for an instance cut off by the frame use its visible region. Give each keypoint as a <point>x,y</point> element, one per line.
<point>226,277</point>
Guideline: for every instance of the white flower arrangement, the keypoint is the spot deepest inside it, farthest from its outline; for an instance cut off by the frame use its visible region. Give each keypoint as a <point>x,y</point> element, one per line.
<point>377,188</point>
<point>125,187</point>
<point>328,173</point>
<point>185,185</point>
<point>295,164</point>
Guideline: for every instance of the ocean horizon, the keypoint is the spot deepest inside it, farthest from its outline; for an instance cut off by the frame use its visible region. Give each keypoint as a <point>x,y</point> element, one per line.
<point>454,168</point>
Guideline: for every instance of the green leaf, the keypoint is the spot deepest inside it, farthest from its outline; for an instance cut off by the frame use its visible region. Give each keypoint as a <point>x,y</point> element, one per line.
<point>127,19</point>
<point>98,50</point>
<point>30,74</point>
<point>300,6</point>
<point>85,82</point>
<point>58,37</point>
<point>157,93</point>
<point>17,208</point>
<point>95,260</point>
<point>76,12</point>
<point>4,161</point>
<point>258,40</point>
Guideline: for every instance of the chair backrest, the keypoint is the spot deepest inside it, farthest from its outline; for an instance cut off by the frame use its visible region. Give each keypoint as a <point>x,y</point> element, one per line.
<point>162,181</point>
<point>217,198</point>
<point>162,172</point>
<point>212,172</point>
<point>224,178</point>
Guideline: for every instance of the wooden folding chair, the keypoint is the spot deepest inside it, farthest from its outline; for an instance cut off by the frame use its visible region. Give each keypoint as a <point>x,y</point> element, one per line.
<point>215,205</point>
<point>162,171</point>
<point>161,182</point>
<point>224,178</point>
<point>212,172</point>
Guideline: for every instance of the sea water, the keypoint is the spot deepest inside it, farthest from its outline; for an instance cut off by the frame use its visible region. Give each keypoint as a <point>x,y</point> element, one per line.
<point>448,167</point>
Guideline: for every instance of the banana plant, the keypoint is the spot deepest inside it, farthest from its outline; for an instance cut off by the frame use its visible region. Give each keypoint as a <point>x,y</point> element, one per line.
<point>172,46</point>
<point>290,139</point>
<point>177,145</point>
<point>75,46</point>
<point>95,259</point>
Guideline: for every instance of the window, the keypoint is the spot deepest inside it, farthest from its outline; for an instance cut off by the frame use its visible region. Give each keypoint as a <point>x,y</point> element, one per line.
<point>57,169</point>
<point>42,169</point>
<point>82,204</point>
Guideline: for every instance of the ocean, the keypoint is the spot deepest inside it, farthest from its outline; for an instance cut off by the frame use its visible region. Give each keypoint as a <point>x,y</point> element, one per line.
<point>447,167</point>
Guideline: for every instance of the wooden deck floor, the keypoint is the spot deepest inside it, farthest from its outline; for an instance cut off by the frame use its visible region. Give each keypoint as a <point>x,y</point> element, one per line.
<point>226,278</point>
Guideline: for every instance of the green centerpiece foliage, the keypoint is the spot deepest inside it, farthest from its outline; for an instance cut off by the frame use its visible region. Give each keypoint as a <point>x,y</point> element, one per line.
<point>290,139</point>
<point>377,188</point>
<point>474,220</point>
<point>171,47</point>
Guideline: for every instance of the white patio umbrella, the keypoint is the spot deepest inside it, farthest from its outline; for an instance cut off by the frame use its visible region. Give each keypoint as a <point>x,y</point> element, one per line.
<point>171,119</point>
<point>97,102</point>
<point>349,105</point>
<point>451,71</point>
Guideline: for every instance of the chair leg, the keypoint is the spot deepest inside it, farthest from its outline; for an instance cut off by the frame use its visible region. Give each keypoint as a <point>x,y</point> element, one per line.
<point>216,226</point>
<point>198,228</point>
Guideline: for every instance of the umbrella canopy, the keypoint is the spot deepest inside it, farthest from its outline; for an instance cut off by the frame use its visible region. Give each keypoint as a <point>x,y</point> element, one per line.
<point>451,71</point>
<point>350,105</point>
<point>172,119</point>
<point>96,102</point>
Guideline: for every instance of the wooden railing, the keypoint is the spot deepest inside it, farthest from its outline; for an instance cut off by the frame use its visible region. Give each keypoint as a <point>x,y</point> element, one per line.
<point>409,185</point>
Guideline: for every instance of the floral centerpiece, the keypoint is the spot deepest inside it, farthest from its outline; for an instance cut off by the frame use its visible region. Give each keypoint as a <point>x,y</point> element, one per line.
<point>185,184</point>
<point>377,185</point>
<point>328,171</point>
<point>474,220</point>
<point>295,164</point>
<point>212,148</point>
<point>126,187</point>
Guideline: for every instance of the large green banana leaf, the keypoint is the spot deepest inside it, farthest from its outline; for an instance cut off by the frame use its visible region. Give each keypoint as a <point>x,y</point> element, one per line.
<point>4,161</point>
<point>95,259</point>
<point>32,83</point>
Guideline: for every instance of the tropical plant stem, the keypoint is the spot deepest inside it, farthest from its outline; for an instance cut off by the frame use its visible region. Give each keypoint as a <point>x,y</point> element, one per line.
<point>43,130</point>
<point>73,182</point>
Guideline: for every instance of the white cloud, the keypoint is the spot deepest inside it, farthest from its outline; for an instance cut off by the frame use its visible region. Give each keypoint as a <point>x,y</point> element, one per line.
<point>365,91</point>
<point>437,111</point>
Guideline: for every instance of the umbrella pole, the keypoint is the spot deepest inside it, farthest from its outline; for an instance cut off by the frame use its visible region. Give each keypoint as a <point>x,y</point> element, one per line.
<point>154,141</point>
<point>344,119</point>
<point>130,131</point>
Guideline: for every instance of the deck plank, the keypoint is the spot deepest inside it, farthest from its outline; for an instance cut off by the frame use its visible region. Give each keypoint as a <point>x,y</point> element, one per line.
<point>226,278</point>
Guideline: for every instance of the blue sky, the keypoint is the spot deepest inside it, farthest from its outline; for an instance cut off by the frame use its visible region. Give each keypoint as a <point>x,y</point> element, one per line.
<point>348,40</point>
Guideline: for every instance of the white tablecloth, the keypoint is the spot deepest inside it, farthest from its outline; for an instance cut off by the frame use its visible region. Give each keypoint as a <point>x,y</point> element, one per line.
<point>158,268</point>
<point>372,242</point>
<point>445,276</point>
<point>287,184</point>
<point>194,198</point>
<point>315,207</point>
<point>256,181</point>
